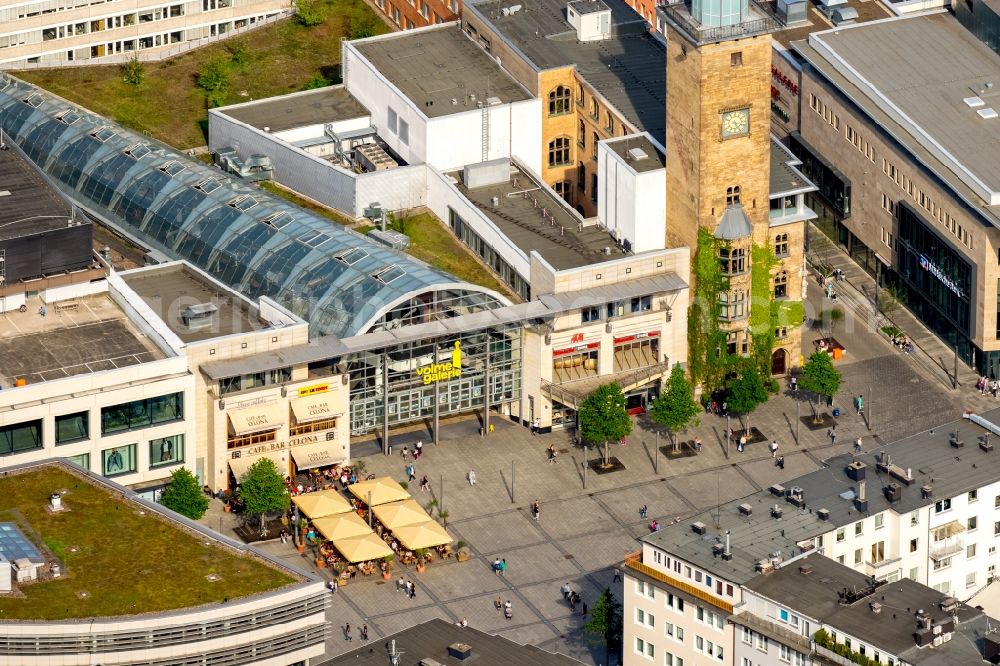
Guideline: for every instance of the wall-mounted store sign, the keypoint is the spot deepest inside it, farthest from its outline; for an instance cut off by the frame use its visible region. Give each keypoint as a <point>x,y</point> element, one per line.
<point>578,348</point>
<point>258,449</point>
<point>637,336</point>
<point>930,267</point>
<point>440,372</point>
<point>312,390</point>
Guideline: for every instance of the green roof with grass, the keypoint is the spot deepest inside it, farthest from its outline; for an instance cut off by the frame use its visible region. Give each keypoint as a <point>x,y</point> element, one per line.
<point>117,556</point>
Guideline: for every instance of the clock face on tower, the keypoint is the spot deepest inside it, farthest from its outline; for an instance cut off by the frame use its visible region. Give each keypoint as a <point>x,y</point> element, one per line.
<point>735,123</point>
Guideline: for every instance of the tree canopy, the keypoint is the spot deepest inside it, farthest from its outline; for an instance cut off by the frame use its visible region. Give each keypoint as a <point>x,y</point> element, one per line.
<point>819,376</point>
<point>746,390</point>
<point>605,623</point>
<point>262,489</point>
<point>184,495</point>
<point>675,407</point>
<point>602,416</point>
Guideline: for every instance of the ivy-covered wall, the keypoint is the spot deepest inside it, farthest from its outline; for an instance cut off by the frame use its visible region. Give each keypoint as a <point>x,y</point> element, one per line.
<point>706,342</point>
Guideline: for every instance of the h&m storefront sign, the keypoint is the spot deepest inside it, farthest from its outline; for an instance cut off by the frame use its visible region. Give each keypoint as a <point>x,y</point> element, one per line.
<point>440,372</point>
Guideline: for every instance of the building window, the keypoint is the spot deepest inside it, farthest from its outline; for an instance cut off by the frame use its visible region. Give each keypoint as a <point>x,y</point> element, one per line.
<point>559,101</point>
<point>973,495</point>
<point>879,521</point>
<point>142,413</point>
<point>732,260</point>
<point>642,304</point>
<point>564,189</point>
<point>118,460</point>
<point>732,306</point>
<point>72,427</point>
<point>733,195</point>
<point>559,151</point>
<point>593,187</point>
<point>595,138</point>
<point>942,505</point>
<point>970,551</point>
<point>581,177</point>
<point>736,59</point>
<point>590,314</point>
<point>840,535</point>
<point>83,460</point>
<point>781,285</point>
<point>166,451</point>
<point>671,660</point>
<point>581,131</point>
<point>20,437</point>
<point>973,523</point>
<point>781,245</point>
<point>913,545</point>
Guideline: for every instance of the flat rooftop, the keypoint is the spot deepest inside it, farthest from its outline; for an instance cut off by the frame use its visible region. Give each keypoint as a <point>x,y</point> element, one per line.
<point>785,177</point>
<point>167,561</point>
<point>432,67</point>
<point>170,289</point>
<point>627,69</point>
<point>867,11</point>
<point>935,79</point>
<point>654,157</point>
<point>91,336</point>
<point>557,236</point>
<point>430,640</point>
<point>928,454</point>
<point>814,584</point>
<point>277,114</point>
<point>28,204</point>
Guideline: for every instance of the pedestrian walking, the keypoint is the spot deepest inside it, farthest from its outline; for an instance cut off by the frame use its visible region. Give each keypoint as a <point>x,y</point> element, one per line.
<point>832,432</point>
<point>347,632</point>
<point>406,587</point>
<point>364,632</point>
<point>552,454</point>
<point>503,567</point>
<point>584,610</point>
<point>780,462</point>
<point>498,604</point>
<point>535,510</point>
<point>861,404</point>
<point>774,448</point>
<point>642,512</point>
<point>472,477</point>
<point>496,566</point>
<point>857,446</point>
<point>425,483</point>
<point>508,610</point>
<point>725,407</point>
<point>534,427</point>
<point>565,589</point>
<point>742,445</point>
<point>794,382</point>
<point>405,453</point>
<point>418,449</point>
<point>400,584</point>
<point>618,575</point>
<point>42,311</point>
<point>413,590</point>
<point>411,472</point>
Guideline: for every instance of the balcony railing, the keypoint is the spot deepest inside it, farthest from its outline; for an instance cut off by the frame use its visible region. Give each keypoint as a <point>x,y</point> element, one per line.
<point>677,12</point>
<point>879,569</point>
<point>939,550</point>
<point>634,561</point>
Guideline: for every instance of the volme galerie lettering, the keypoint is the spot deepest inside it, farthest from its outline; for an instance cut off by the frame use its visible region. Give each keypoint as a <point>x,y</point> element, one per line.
<point>439,372</point>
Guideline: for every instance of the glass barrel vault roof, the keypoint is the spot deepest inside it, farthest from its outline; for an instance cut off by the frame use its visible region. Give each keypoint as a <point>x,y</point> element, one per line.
<point>256,243</point>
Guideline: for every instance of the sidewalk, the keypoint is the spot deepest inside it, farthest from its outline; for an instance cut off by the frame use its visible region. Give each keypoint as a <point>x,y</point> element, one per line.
<point>857,294</point>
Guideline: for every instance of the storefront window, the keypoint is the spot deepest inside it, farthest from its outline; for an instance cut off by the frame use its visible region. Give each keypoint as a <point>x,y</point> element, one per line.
<point>72,427</point>
<point>166,451</point>
<point>118,460</point>
<point>20,437</point>
<point>83,460</point>
<point>142,413</point>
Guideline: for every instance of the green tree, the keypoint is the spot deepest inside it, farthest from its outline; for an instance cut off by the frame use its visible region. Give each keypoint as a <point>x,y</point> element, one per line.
<point>819,376</point>
<point>239,50</point>
<point>262,489</point>
<point>603,418</point>
<point>605,624</point>
<point>184,495</point>
<point>310,12</point>
<point>133,71</point>
<point>675,408</point>
<point>746,390</point>
<point>214,79</point>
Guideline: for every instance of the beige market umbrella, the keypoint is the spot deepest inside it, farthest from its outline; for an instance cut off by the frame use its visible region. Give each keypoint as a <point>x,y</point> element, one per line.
<point>382,489</point>
<point>362,548</point>
<point>400,514</point>
<point>323,503</point>
<point>342,526</point>
<point>423,535</point>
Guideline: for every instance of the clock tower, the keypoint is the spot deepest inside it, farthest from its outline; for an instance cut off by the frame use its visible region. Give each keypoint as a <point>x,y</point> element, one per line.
<point>719,153</point>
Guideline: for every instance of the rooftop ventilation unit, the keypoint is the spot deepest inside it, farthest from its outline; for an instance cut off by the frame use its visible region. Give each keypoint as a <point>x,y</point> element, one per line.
<point>636,154</point>
<point>199,316</point>
<point>856,471</point>
<point>974,102</point>
<point>893,492</point>
<point>746,509</point>
<point>699,528</point>
<point>776,511</point>
<point>460,651</point>
<point>777,490</point>
<point>987,113</point>
<point>823,514</point>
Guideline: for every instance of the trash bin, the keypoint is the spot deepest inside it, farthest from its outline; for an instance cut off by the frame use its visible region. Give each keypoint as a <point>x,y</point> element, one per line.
<point>838,353</point>
<point>836,411</point>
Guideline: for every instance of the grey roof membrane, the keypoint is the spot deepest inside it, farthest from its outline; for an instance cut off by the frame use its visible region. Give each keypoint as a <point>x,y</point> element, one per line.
<point>734,224</point>
<point>253,242</point>
<point>624,147</point>
<point>277,114</point>
<point>28,203</point>
<point>434,67</point>
<point>928,454</point>
<point>628,69</point>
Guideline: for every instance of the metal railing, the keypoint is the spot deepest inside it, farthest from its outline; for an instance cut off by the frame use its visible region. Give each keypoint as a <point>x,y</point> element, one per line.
<point>678,13</point>
<point>634,561</point>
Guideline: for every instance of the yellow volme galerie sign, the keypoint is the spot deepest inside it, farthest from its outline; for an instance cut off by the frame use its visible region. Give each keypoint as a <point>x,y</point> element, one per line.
<point>439,372</point>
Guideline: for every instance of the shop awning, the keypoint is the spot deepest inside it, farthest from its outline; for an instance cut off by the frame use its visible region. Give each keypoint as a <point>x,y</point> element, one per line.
<point>314,408</point>
<point>342,526</point>
<point>323,503</point>
<point>400,514</point>
<point>319,454</point>
<point>383,490</point>
<point>242,464</point>
<point>424,535</point>
<point>257,418</point>
<point>361,548</point>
